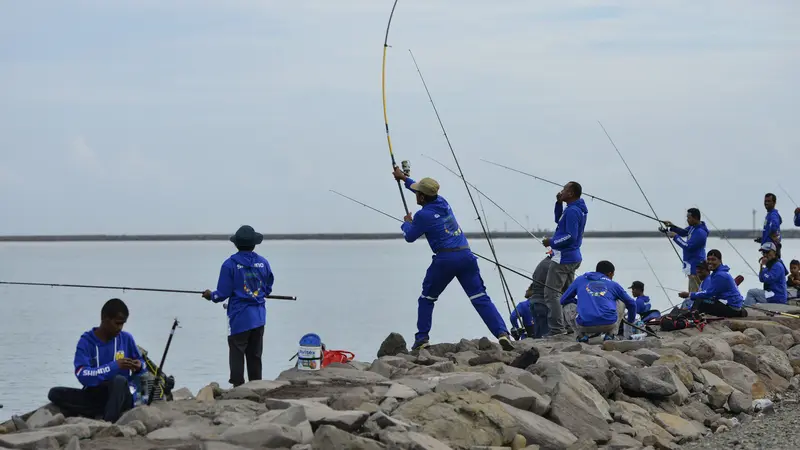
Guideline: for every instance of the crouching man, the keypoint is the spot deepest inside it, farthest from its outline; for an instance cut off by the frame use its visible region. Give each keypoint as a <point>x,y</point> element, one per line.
<point>596,303</point>
<point>106,359</point>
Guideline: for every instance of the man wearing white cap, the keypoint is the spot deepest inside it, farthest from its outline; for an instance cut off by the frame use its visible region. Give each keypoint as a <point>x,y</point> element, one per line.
<point>773,274</point>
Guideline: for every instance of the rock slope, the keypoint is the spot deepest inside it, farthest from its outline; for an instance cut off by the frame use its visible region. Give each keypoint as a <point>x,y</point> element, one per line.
<point>548,394</point>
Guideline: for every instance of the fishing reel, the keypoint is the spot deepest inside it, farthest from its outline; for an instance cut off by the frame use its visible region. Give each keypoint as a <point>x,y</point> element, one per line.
<point>406,165</point>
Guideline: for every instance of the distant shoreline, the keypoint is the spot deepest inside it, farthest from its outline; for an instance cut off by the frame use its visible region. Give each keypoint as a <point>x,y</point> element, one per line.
<point>732,234</point>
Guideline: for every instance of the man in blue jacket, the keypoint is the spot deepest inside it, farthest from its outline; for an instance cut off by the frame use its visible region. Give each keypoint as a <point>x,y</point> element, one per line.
<point>719,294</point>
<point>772,223</point>
<point>522,320</point>
<point>536,297</point>
<point>452,259</point>
<point>773,274</point>
<point>245,278</point>
<point>693,242</point>
<point>566,245</point>
<point>106,360</point>
<point>596,295</point>
<point>797,217</point>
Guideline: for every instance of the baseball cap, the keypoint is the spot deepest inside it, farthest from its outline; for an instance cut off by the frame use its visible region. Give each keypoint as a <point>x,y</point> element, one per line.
<point>427,186</point>
<point>768,246</point>
<point>636,284</point>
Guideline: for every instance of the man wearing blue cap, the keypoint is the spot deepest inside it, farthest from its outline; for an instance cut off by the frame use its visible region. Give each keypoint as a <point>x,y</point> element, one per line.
<point>246,279</point>
<point>773,274</point>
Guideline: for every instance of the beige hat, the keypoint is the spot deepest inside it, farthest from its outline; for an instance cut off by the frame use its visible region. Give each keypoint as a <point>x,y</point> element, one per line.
<point>427,186</point>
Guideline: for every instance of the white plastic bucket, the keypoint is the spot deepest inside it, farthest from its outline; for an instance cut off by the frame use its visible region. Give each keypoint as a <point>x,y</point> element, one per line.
<point>309,354</point>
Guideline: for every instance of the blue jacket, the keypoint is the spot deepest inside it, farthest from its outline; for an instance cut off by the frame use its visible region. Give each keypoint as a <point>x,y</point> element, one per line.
<point>694,246</point>
<point>596,296</point>
<point>643,307</point>
<point>96,361</point>
<point>705,284</point>
<point>797,219</point>
<point>774,279</point>
<point>568,237</point>
<point>522,313</point>
<point>719,285</point>
<point>772,224</point>
<point>246,278</point>
<point>437,222</point>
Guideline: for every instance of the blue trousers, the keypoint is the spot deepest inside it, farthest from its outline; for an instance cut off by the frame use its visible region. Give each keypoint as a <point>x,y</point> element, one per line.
<point>462,265</point>
<point>540,324</point>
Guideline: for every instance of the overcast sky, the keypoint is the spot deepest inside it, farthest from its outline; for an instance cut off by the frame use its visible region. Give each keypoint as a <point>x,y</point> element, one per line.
<point>153,116</point>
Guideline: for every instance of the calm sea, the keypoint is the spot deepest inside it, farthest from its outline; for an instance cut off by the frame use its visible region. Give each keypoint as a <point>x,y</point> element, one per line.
<point>352,293</point>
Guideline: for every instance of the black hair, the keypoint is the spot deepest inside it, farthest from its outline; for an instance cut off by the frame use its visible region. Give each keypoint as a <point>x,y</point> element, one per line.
<point>715,252</point>
<point>248,248</point>
<point>428,198</point>
<point>794,262</point>
<point>703,264</point>
<point>114,308</point>
<point>774,198</point>
<point>604,267</point>
<point>576,188</point>
<point>694,212</point>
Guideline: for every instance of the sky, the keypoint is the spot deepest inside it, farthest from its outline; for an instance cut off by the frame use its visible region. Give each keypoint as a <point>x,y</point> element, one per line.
<point>146,116</point>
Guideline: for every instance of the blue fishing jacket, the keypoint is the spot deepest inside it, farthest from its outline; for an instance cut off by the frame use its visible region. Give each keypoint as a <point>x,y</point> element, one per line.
<point>96,361</point>
<point>246,278</point>
<point>774,278</point>
<point>437,222</point>
<point>719,285</point>
<point>568,236</point>
<point>596,296</point>
<point>522,313</point>
<point>772,224</point>
<point>694,244</point>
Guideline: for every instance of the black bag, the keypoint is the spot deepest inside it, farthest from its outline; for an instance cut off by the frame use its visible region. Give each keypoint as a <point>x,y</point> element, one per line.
<point>679,319</point>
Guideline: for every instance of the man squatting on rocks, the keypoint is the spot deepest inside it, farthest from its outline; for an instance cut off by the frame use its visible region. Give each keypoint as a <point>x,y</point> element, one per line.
<point>452,259</point>
<point>590,303</point>
<point>566,245</point>
<point>106,359</point>
<point>693,242</point>
<point>245,278</point>
<point>719,294</point>
<point>773,274</point>
<point>536,298</point>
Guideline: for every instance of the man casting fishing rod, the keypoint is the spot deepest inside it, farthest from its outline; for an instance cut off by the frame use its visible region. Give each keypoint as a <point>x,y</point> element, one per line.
<point>693,242</point>
<point>452,259</point>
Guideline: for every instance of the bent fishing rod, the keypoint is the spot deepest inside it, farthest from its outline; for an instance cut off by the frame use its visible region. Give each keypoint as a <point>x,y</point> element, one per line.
<point>160,369</point>
<point>466,186</point>
<point>583,194</point>
<point>672,244</point>
<point>385,115</point>
<point>487,198</point>
<point>125,288</point>
<point>516,272</point>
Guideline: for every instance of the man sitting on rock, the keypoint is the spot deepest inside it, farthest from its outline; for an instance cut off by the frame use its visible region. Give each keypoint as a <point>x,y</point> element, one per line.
<point>106,359</point>
<point>719,293</point>
<point>597,309</point>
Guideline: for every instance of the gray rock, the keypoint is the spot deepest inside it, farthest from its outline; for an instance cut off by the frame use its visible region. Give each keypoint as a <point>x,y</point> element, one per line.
<point>410,440</point>
<point>735,374</point>
<point>645,355</point>
<point>463,358</point>
<point>571,412</point>
<point>710,349</point>
<point>346,420</point>
<point>526,359</point>
<point>621,428</point>
<point>555,373</point>
<point>461,381</point>
<point>294,416</point>
<point>756,336</point>
<point>241,393</point>
<point>540,431</point>
<point>627,346</point>
<point>382,368</point>
<point>393,344</point>
<point>776,360</point>
<point>379,421</point>
<point>262,434</point>
<point>182,394</point>
<point>739,402</point>
<point>332,374</point>
<point>523,377</point>
<point>782,342</point>
<point>736,338</point>
<point>490,357</point>
<point>638,418</point>
<point>622,442</point>
<point>95,426</point>
<point>45,437</point>
<point>119,431</point>
<point>647,382</point>
<point>150,416</point>
<point>520,397</point>
<point>699,412</point>
<point>594,369</point>
<point>328,437</point>
<point>400,392</point>
<point>191,427</point>
<point>43,418</point>
<point>264,387</point>
<point>678,427</point>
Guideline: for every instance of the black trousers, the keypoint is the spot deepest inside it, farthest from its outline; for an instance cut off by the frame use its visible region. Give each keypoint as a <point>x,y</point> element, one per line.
<point>109,400</point>
<point>719,309</point>
<point>246,345</point>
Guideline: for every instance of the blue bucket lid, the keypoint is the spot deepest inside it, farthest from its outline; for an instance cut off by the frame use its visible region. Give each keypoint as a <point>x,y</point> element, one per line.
<point>311,340</point>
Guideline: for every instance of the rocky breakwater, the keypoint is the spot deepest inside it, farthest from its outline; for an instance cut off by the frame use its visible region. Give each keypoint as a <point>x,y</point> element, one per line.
<point>547,394</point>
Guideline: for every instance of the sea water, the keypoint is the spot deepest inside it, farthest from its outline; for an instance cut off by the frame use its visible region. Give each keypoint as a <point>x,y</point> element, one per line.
<point>351,293</point>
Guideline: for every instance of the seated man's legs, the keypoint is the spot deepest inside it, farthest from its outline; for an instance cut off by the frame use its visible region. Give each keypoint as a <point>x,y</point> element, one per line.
<point>755,296</point>
<point>540,314</point>
<point>109,400</point>
<point>719,309</point>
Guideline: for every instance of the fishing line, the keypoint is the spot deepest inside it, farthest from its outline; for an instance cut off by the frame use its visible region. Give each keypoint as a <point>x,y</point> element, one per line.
<point>466,186</point>
<point>672,244</point>
<point>480,202</point>
<point>789,196</point>
<point>124,288</point>
<point>657,279</point>
<point>722,234</point>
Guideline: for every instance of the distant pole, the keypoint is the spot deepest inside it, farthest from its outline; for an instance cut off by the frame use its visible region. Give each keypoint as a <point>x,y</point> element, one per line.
<point>755,230</point>
<point>505,226</point>
<point>527,222</point>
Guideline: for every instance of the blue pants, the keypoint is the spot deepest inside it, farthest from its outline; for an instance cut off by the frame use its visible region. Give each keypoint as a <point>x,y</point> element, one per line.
<point>540,324</point>
<point>462,265</point>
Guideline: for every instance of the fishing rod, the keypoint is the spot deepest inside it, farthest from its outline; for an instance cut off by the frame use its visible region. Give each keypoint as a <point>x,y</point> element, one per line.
<point>161,366</point>
<point>789,196</point>
<point>487,198</point>
<point>124,288</point>
<point>725,237</point>
<point>385,115</point>
<point>657,279</point>
<point>516,272</point>
<point>672,244</point>
<point>583,194</point>
<point>483,211</point>
<point>466,186</point>
<point>772,313</point>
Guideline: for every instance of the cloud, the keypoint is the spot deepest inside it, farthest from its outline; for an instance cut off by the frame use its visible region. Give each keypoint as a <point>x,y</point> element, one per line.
<point>127,164</point>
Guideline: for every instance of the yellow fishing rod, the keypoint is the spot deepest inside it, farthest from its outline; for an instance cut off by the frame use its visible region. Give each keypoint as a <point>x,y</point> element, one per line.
<point>406,167</point>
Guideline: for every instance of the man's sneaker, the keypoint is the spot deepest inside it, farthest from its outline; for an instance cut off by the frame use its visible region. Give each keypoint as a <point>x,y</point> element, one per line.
<point>583,338</point>
<point>609,337</point>
<point>419,344</point>
<point>505,342</point>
